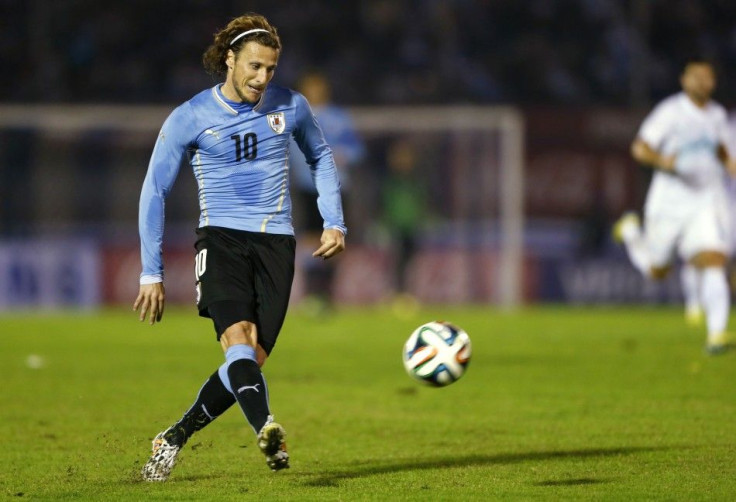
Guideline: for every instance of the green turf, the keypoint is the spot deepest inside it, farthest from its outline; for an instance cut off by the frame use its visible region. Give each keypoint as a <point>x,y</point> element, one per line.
<point>557,404</point>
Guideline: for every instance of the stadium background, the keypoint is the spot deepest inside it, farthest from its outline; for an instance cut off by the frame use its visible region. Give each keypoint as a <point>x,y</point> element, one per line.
<point>582,73</point>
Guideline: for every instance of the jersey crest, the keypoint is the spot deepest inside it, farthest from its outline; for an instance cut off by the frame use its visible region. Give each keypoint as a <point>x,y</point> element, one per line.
<point>277,122</point>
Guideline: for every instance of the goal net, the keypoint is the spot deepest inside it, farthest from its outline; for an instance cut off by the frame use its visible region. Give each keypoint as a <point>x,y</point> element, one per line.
<point>471,162</point>
<point>75,172</point>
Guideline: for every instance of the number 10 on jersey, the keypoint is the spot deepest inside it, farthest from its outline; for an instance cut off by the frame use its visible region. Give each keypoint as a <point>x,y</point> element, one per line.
<point>245,147</point>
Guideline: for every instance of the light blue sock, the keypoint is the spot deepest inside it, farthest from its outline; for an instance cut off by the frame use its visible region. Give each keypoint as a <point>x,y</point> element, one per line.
<point>233,353</point>
<point>222,371</point>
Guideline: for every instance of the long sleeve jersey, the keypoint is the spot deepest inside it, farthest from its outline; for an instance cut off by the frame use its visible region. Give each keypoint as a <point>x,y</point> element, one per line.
<point>239,154</point>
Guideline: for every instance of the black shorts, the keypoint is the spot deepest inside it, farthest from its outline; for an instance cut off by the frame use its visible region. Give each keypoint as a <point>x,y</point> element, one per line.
<point>244,276</point>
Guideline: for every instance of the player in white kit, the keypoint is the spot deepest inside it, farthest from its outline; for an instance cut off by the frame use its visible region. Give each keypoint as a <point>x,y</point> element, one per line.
<point>689,276</point>
<point>685,140</point>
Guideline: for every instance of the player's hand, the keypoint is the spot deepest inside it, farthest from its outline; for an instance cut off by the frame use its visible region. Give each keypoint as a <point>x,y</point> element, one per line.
<point>333,242</point>
<point>150,301</point>
<point>667,162</point>
<point>731,166</point>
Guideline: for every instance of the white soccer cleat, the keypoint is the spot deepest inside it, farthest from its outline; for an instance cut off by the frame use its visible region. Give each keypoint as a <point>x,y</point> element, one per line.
<point>163,458</point>
<point>271,443</point>
<point>624,225</point>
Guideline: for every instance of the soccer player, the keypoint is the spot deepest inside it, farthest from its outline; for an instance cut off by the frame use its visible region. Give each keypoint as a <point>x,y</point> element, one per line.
<point>685,140</point>
<point>348,149</point>
<point>236,136</point>
<point>689,276</point>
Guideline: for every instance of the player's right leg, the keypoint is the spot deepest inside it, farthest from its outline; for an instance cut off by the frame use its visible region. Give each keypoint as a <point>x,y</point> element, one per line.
<point>716,297</point>
<point>162,461</point>
<point>213,399</point>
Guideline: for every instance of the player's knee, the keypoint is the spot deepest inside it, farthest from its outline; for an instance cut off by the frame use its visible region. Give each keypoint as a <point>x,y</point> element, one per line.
<point>261,356</point>
<point>708,259</point>
<point>242,332</point>
<point>659,273</point>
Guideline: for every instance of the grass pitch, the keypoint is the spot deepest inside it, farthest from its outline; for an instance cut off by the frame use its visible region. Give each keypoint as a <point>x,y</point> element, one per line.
<point>557,404</point>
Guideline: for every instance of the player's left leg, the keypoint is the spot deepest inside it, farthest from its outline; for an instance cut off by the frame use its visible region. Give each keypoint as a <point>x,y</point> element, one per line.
<point>716,297</point>
<point>705,244</point>
<point>244,377</point>
<point>273,259</point>
<point>690,283</point>
<point>240,341</point>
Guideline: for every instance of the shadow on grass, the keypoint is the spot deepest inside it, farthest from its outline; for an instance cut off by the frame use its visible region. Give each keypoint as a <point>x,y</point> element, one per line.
<point>570,482</point>
<point>372,468</point>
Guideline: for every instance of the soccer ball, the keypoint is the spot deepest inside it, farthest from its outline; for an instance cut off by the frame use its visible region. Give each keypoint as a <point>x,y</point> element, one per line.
<point>437,353</point>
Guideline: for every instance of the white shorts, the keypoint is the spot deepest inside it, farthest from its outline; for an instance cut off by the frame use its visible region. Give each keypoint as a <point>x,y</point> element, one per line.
<point>707,229</point>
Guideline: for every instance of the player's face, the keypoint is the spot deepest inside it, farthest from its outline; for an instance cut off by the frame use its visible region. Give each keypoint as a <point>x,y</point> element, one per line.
<point>250,70</point>
<point>699,81</point>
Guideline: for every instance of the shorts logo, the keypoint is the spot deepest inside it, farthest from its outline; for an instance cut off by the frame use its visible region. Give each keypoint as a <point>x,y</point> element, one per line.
<point>199,292</point>
<point>277,122</point>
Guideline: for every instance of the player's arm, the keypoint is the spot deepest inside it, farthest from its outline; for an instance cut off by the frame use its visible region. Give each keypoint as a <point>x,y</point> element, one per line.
<point>311,142</point>
<point>728,160</point>
<point>647,146</point>
<point>151,300</point>
<point>163,168</point>
<point>644,154</point>
<point>725,140</point>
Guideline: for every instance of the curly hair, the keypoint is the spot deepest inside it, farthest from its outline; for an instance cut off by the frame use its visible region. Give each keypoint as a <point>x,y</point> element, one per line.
<point>214,57</point>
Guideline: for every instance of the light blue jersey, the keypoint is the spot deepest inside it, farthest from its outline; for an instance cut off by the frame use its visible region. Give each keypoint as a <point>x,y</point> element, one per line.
<point>239,153</point>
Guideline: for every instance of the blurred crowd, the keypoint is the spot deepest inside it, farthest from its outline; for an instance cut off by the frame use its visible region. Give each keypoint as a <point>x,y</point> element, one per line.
<point>529,52</point>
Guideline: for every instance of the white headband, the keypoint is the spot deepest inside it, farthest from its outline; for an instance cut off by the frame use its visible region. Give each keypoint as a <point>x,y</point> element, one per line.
<point>255,30</point>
